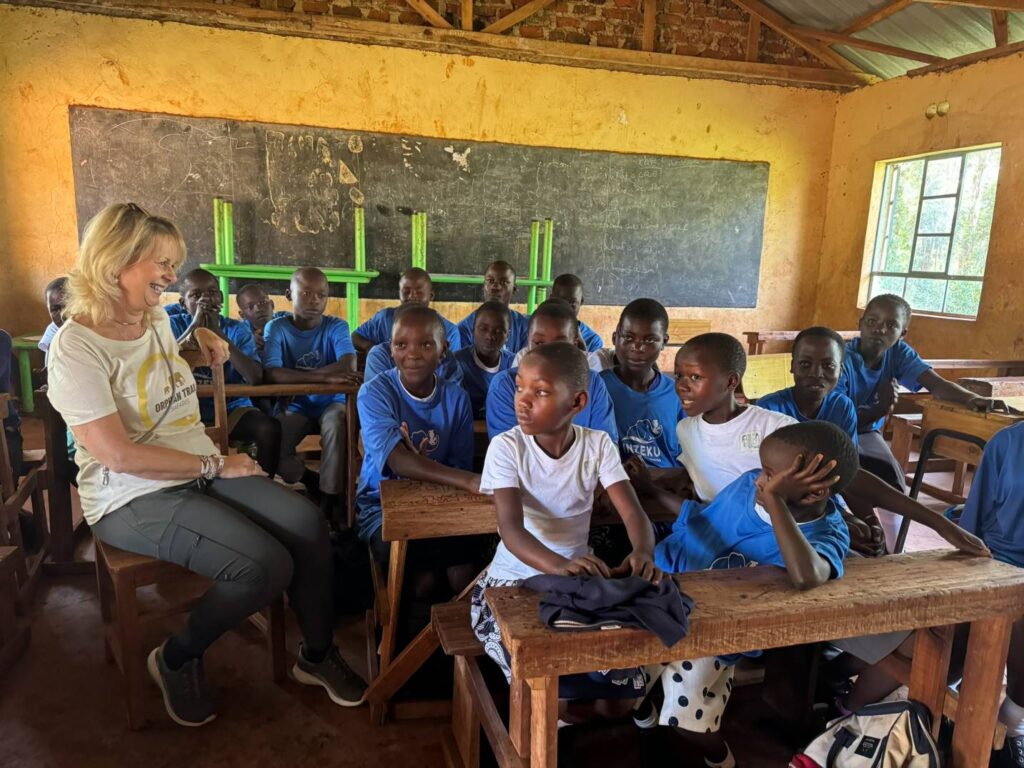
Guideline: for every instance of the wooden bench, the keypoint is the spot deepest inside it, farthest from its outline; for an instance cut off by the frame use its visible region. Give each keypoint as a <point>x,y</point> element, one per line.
<point>757,339</point>
<point>738,610</point>
<point>997,386</point>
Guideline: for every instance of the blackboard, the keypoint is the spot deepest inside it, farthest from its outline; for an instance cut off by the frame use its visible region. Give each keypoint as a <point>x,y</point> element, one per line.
<point>685,231</point>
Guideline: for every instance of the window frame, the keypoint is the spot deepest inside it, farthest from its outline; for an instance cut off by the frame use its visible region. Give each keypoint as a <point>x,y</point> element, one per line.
<point>882,211</point>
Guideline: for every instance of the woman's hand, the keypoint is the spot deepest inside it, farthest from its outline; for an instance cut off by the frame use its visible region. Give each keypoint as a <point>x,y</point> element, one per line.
<point>241,465</point>
<point>215,350</point>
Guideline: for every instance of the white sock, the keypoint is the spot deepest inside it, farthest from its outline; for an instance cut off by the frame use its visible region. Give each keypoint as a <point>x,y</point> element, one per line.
<point>1011,714</point>
<point>727,762</point>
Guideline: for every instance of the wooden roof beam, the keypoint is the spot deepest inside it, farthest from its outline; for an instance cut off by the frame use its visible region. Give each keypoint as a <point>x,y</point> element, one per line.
<point>650,24</point>
<point>753,38</point>
<point>873,17</point>
<point>969,58</point>
<point>510,20</point>
<point>1001,28</point>
<point>432,17</point>
<point>991,5</point>
<point>772,18</point>
<point>834,38</point>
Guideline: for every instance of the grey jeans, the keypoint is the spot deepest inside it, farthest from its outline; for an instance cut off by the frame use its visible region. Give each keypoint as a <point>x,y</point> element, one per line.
<point>254,538</point>
<point>331,425</point>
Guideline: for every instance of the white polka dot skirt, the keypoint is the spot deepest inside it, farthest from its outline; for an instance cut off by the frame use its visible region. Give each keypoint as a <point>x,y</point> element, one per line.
<point>696,692</point>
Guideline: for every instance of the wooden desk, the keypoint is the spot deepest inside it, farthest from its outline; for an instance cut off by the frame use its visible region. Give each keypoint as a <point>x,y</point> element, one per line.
<point>23,348</point>
<point>1001,367</point>
<point>756,339</point>
<point>997,387</point>
<point>939,414</point>
<point>751,608</point>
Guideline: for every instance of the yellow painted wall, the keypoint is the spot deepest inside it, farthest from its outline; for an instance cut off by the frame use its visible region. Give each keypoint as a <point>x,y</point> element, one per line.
<point>887,121</point>
<point>51,59</point>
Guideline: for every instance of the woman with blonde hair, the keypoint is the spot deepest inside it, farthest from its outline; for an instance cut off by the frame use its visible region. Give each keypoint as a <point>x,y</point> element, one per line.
<point>152,482</point>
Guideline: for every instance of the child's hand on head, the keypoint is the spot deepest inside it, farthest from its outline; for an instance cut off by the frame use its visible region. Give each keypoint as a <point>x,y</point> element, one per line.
<point>797,481</point>
<point>639,564</point>
<point>586,565</point>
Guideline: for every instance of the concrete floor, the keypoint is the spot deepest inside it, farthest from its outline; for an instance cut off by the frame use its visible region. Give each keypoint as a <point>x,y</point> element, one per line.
<point>61,705</point>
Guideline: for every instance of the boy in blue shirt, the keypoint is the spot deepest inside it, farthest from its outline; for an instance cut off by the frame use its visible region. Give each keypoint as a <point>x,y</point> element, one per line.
<point>414,287</point>
<point>646,407</point>
<point>311,347</point>
<point>256,309</point>
<point>379,359</point>
<point>569,288</point>
<point>551,321</point>
<point>486,357</point>
<point>499,285</point>
<point>55,296</point>
<point>875,365</point>
<point>415,425</point>
<point>200,303</point>
<point>784,514</point>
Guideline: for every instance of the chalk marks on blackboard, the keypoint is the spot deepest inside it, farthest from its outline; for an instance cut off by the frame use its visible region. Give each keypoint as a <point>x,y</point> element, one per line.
<point>461,159</point>
<point>345,173</point>
<point>355,144</point>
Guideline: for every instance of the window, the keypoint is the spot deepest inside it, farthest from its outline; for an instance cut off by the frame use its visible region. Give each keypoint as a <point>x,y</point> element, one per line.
<point>934,219</point>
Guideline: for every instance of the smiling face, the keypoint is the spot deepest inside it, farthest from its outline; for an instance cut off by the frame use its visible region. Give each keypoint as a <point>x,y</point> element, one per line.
<point>700,383</point>
<point>415,289</point>
<point>417,346</point>
<point>200,291</point>
<point>308,293</point>
<point>490,332</point>
<point>638,343</point>
<point>817,361</point>
<point>255,307</point>
<point>544,401</point>
<point>55,301</point>
<point>882,325</point>
<point>144,282</point>
<point>499,284</point>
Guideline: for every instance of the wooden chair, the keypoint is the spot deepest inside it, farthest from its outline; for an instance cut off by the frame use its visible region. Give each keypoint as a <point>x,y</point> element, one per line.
<point>13,635</point>
<point>13,497</point>
<point>120,574</point>
<point>413,511</point>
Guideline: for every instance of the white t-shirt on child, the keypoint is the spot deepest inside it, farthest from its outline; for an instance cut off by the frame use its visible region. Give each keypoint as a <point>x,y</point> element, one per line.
<point>558,494</point>
<point>716,454</point>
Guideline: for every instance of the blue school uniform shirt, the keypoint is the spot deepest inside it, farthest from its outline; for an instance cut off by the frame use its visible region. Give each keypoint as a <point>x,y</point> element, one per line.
<point>277,314</point>
<point>729,533</point>
<point>590,338</point>
<point>518,330</point>
<point>444,419</point>
<point>11,419</point>
<point>174,309</point>
<point>501,407</point>
<point>475,380</point>
<point>379,359</point>
<point>646,421</point>
<point>378,329</point>
<point>836,408</point>
<point>860,383</point>
<point>285,346</point>
<point>995,507</point>
<point>238,333</point>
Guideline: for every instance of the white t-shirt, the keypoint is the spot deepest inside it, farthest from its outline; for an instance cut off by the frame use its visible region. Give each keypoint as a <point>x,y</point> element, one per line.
<point>558,494</point>
<point>91,377</point>
<point>601,360</point>
<point>716,454</point>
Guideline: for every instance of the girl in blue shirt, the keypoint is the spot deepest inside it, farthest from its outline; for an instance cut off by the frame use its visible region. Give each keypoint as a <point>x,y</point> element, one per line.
<point>480,362</point>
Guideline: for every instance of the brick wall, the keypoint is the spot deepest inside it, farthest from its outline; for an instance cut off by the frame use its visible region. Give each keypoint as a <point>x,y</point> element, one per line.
<point>711,28</point>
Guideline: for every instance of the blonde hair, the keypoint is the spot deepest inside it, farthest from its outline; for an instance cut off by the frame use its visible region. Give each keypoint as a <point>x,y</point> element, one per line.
<point>114,239</point>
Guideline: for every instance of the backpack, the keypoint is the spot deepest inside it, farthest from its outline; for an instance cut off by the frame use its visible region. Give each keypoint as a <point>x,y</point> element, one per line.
<point>891,734</point>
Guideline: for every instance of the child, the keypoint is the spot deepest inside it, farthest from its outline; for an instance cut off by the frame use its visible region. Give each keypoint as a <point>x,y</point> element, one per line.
<point>309,346</point>
<point>570,288</point>
<point>646,407</point>
<point>551,321</point>
<point>55,297</point>
<point>256,309</point>
<point>543,474</point>
<point>201,301</point>
<point>486,358</point>
<point>876,363</point>
<point>784,514</point>
<point>817,362</point>
<point>499,285</point>
<point>379,359</point>
<point>414,287</point>
<point>416,425</point>
<point>11,419</point>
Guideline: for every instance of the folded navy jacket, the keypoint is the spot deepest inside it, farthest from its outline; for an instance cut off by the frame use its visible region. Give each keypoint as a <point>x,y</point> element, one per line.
<point>594,602</point>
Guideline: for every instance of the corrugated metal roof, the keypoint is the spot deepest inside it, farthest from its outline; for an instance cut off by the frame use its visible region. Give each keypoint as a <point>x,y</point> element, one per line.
<point>944,30</point>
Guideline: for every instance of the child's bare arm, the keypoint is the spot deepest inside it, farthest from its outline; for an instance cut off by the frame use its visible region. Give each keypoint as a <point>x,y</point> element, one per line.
<point>944,389</point>
<point>639,562</point>
<point>644,484</point>
<point>361,343</point>
<point>525,546</point>
<point>408,462</point>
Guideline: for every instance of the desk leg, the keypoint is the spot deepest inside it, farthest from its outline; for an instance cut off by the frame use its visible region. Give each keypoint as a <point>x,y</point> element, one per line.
<point>28,404</point>
<point>987,646</point>
<point>930,669</point>
<point>519,717</point>
<point>58,473</point>
<point>543,722</point>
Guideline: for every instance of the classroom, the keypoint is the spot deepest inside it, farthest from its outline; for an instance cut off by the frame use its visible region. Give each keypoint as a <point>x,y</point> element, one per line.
<point>544,381</point>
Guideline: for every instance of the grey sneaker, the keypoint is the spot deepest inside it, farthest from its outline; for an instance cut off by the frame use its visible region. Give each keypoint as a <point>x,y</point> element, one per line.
<point>187,698</point>
<point>344,686</point>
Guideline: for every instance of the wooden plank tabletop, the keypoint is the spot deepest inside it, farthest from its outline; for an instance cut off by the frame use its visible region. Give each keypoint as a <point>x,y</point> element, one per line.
<point>939,414</point>
<point>279,390</point>
<point>994,386</point>
<point>755,608</point>
<point>948,364</point>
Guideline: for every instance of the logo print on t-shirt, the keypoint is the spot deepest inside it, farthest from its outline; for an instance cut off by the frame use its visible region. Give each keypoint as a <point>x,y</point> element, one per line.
<point>732,560</point>
<point>432,439</point>
<point>309,361</point>
<point>641,439</point>
<point>750,441</point>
